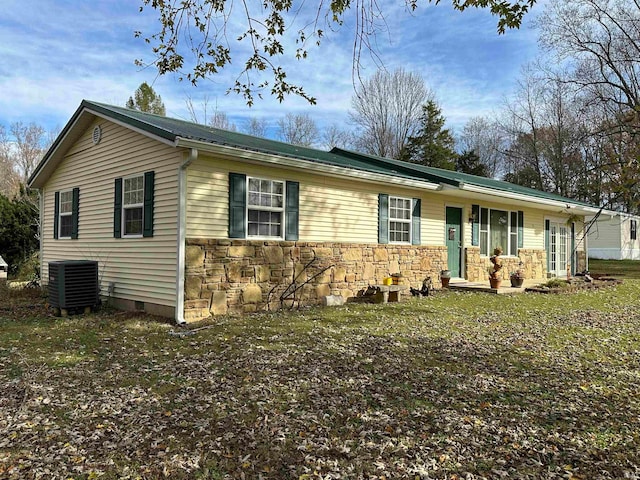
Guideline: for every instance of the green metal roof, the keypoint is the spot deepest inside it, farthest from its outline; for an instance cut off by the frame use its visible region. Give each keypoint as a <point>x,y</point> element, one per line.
<point>465,178</point>
<point>171,129</point>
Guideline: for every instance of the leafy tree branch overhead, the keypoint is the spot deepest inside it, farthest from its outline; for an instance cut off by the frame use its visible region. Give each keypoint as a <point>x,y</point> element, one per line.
<point>198,39</point>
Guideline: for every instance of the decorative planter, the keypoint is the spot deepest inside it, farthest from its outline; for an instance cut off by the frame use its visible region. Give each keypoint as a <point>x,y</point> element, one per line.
<point>495,282</point>
<point>445,276</point>
<point>516,282</point>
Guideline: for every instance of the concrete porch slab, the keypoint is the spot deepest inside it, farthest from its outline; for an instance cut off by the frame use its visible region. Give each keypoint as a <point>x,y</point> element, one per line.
<point>505,286</point>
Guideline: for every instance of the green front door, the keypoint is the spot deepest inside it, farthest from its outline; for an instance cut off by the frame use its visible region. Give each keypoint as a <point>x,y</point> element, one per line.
<point>453,235</point>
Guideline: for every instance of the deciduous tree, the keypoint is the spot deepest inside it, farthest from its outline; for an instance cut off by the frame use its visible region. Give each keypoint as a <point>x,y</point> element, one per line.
<point>193,38</point>
<point>386,111</point>
<point>298,129</point>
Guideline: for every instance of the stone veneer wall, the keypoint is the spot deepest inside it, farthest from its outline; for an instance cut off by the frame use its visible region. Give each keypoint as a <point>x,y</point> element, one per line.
<point>534,264</point>
<point>232,276</point>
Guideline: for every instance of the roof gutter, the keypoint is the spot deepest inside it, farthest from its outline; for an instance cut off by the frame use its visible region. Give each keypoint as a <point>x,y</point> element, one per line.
<point>531,199</point>
<point>182,234</point>
<point>297,163</point>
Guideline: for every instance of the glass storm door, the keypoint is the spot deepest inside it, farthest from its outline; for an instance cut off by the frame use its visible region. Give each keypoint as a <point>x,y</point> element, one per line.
<point>558,249</point>
<point>454,240</point>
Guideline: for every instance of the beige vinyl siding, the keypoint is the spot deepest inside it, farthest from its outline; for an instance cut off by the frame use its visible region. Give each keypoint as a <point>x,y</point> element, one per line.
<point>331,209</point>
<point>142,269</point>
<point>606,233</point>
<point>533,220</point>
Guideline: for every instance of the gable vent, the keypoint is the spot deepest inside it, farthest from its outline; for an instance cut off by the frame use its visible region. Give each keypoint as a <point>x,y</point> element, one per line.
<point>97,135</point>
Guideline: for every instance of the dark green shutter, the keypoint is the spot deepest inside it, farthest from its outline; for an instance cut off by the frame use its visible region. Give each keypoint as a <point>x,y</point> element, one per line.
<point>415,222</point>
<point>75,204</point>
<point>56,213</point>
<point>237,205</point>
<point>383,218</point>
<point>149,189</point>
<point>475,227</point>
<point>292,211</point>
<point>117,209</point>
<point>520,229</point>
<point>546,243</point>
<point>573,249</point>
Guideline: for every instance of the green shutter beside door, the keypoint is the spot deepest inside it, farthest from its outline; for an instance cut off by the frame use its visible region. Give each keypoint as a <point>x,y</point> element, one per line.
<point>415,222</point>
<point>149,188</point>
<point>383,218</point>
<point>475,226</point>
<point>292,211</point>
<point>117,209</point>
<point>520,229</point>
<point>75,204</point>
<point>237,205</point>
<point>547,243</point>
<point>56,213</point>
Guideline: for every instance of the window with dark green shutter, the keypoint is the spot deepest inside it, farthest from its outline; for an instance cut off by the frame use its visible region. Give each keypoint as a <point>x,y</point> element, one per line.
<point>65,214</point>
<point>133,206</point>
<point>495,228</point>
<point>263,208</point>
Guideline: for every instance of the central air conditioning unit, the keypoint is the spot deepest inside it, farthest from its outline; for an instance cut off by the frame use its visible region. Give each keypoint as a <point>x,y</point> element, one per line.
<point>73,284</point>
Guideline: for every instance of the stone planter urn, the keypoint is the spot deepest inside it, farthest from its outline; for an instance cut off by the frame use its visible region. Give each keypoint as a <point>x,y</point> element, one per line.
<point>445,276</point>
<point>495,279</point>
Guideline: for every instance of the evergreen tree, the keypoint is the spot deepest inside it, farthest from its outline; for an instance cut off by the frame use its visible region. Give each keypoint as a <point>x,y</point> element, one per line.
<point>147,100</point>
<point>469,162</point>
<point>433,145</point>
<point>18,230</point>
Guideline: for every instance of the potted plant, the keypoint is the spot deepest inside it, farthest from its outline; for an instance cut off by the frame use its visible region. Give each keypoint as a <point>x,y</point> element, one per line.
<point>445,276</point>
<point>517,277</point>
<point>494,270</point>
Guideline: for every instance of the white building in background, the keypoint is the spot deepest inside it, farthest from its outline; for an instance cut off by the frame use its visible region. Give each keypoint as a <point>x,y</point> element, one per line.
<point>4,267</point>
<point>614,236</point>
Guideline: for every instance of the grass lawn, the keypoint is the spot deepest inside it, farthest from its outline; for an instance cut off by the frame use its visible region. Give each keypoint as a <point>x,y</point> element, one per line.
<point>620,268</point>
<point>455,386</point>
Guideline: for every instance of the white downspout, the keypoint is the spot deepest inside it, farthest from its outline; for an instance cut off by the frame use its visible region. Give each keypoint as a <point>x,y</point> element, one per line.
<point>182,233</point>
<point>41,232</point>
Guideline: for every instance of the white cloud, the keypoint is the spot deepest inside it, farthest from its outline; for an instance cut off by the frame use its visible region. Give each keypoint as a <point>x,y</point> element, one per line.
<point>48,66</point>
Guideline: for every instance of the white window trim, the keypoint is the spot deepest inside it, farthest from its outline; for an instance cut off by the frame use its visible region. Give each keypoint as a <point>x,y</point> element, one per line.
<point>65,214</point>
<point>265,209</point>
<point>488,230</point>
<point>400,220</point>
<point>126,207</point>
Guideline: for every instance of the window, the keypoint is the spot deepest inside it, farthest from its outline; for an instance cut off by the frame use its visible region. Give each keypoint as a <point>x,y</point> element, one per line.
<point>399,220</point>
<point>634,229</point>
<point>500,228</point>
<point>65,216</point>
<point>133,205</point>
<point>65,212</point>
<point>265,208</point>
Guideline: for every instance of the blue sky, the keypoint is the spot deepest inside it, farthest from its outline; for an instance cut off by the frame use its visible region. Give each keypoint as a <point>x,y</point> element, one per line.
<point>54,53</point>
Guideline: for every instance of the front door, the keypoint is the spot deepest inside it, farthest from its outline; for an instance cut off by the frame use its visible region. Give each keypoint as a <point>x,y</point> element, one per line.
<point>454,241</point>
<point>558,249</point>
